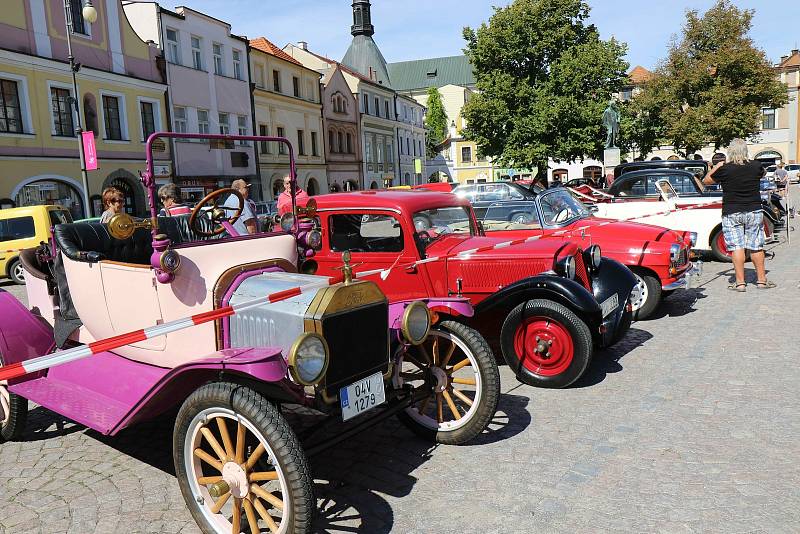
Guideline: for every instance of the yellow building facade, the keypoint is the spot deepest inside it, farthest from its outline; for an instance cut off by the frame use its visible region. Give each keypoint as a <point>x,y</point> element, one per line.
<point>121,97</point>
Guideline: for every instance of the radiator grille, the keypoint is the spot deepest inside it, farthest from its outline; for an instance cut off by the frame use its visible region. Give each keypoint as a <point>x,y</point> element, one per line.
<point>580,271</point>
<point>358,340</point>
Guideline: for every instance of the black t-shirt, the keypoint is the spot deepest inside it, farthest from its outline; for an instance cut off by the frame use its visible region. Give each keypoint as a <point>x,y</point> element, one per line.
<point>741,186</point>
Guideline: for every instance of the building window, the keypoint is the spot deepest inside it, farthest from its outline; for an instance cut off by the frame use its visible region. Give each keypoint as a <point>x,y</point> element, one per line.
<point>296,86</point>
<point>368,157</point>
<point>366,103</point>
<point>263,131</point>
<point>237,64</point>
<point>62,112</point>
<point>181,124</point>
<point>197,54</point>
<point>377,107</point>
<point>414,144</point>
<point>301,142</point>
<point>10,107</point>
<point>276,81</point>
<point>173,52</point>
<point>76,16</point>
<point>767,119</point>
<point>148,119</point>
<point>224,124</point>
<point>386,108</point>
<point>281,146</point>
<point>349,144</point>
<point>340,139</point>
<point>203,124</point>
<point>420,148</point>
<point>260,76</point>
<point>219,66</point>
<point>466,153</point>
<point>314,150</point>
<point>408,147</point>
<point>112,118</point>
<point>241,124</point>
<point>626,94</point>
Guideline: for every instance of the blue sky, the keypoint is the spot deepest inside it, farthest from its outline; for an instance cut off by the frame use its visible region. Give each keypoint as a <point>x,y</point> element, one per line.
<point>415,29</point>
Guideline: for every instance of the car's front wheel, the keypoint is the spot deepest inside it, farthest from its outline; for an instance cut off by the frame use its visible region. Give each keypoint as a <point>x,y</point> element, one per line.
<point>239,465</point>
<point>646,294</point>
<point>16,272</point>
<point>457,368</point>
<point>546,344</point>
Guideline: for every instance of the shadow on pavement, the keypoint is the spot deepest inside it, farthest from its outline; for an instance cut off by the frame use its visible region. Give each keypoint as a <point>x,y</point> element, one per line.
<point>678,304</point>
<point>606,361</point>
<point>43,424</point>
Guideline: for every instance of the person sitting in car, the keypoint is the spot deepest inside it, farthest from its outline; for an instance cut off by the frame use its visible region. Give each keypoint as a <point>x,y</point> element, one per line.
<point>170,197</point>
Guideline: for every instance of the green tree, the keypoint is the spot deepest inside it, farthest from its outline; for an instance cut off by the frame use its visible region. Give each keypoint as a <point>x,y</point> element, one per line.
<point>712,85</point>
<point>435,122</point>
<point>544,77</point>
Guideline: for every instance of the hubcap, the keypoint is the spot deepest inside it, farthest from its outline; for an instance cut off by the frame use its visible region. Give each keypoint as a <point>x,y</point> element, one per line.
<point>638,293</point>
<point>544,346</point>
<point>236,479</point>
<point>18,273</point>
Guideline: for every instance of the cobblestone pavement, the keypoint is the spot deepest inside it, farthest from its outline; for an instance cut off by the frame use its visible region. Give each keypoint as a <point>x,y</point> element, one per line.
<point>690,424</point>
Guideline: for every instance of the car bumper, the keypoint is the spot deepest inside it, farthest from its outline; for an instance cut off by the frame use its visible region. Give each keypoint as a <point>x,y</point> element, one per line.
<point>689,278</point>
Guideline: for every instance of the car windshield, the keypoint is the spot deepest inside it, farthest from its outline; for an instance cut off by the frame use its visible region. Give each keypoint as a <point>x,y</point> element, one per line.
<point>431,224</point>
<point>520,215</point>
<point>560,207</point>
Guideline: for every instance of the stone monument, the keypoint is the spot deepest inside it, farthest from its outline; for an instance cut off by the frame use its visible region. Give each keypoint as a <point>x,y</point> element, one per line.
<point>611,154</point>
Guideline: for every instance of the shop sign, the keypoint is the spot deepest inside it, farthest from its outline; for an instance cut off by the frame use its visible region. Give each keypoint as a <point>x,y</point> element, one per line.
<point>162,170</point>
<point>47,186</point>
<point>158,145</point>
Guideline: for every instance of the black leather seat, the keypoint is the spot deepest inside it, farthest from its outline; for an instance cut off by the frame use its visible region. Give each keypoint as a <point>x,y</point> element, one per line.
<point>91,242</point>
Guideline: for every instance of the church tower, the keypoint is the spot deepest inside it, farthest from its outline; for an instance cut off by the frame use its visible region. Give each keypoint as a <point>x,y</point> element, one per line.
<point>364,56</point>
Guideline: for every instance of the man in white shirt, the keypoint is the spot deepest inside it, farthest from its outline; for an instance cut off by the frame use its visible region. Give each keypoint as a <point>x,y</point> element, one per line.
<point>246,223</point>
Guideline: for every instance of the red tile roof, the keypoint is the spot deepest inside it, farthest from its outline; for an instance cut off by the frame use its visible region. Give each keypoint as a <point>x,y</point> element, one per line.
<point>793,60</point>
<point>265,45</point>
<point>639,75</point>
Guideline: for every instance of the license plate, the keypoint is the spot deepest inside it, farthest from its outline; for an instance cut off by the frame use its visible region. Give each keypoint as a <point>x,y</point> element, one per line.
<point>362,396</point>
<point>610,304</point>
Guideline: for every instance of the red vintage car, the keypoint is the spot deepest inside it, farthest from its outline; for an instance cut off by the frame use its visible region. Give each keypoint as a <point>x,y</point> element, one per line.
<point>547,302</point>
<point>659,257</point>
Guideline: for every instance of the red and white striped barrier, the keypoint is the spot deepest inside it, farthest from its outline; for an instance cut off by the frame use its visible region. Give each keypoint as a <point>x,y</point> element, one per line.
<point>17,370</point>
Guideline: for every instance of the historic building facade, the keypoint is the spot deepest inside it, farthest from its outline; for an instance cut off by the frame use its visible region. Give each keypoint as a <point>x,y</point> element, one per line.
<point>209,92</point>
<point>121,91</point>
<point>287,104</point>
<point>342,134</point>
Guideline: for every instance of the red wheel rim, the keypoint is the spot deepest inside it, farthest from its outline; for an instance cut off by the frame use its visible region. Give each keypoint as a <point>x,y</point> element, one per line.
<point>723,248</point>
<point>559,352</point>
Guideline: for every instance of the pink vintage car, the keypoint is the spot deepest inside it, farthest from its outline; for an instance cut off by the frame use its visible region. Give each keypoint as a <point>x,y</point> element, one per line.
<point>169,312</point>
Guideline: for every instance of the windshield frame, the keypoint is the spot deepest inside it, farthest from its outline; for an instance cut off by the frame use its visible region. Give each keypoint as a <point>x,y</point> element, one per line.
<point>541,196</point>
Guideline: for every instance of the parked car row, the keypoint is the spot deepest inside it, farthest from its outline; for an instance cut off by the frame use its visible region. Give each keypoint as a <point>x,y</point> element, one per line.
<point>363,305</point>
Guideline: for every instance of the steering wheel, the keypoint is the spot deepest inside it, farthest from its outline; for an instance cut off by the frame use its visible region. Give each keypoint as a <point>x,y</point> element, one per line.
<point>562,215</point>
<point>216,213</point>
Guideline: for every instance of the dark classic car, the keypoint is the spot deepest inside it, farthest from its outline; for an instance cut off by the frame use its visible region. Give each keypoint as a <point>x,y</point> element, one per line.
<point>481,196</point>
<point>695,166</point>
<point>546,302</point>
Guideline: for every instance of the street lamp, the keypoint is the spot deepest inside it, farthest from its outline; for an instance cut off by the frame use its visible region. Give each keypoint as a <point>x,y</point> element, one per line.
<point>90,15</point>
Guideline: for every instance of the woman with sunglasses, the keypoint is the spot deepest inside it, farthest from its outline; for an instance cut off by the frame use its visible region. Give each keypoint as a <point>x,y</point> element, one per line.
<point>113,202</point>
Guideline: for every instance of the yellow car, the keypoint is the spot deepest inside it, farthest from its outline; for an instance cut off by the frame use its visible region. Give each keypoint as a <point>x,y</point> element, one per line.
<point>22,228</point>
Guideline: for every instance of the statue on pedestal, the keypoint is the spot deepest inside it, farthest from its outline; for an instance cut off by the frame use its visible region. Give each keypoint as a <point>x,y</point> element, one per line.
<point>611,124</point>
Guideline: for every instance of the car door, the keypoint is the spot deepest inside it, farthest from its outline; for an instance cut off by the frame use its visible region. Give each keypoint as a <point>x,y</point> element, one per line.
<point>376,240</point>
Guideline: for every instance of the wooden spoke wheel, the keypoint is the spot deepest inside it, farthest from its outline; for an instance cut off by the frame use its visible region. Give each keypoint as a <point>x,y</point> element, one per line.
<point>458,370</point>
<point>211,209</point>
<point>239,465</point>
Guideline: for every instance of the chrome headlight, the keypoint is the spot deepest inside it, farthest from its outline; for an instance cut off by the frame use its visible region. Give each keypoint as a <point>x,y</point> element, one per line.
<point>593,257</point>
<point>567,267</point>
<point>674,252</point>
<point>287,222</point>
<point>308,359</point>
<point>416,323</point>
<point>693,238</point>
